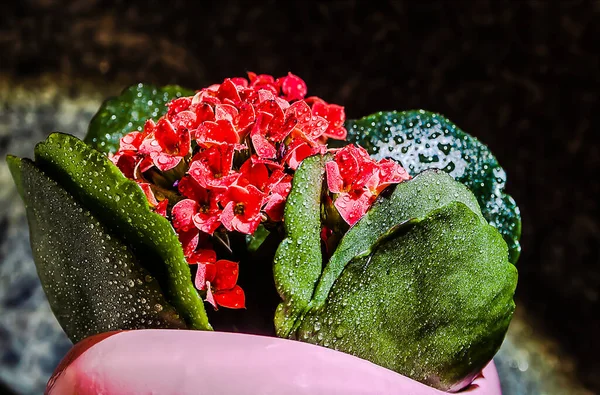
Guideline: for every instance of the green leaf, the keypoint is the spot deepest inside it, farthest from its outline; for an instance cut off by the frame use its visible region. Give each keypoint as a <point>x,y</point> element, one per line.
<point>432,301</point>
<point>422,140</point>
<point>255,240</point>
<point>426,192</point>
<point>128,112</point>
<point>93,280</point>
<point>121,206</point>
<point>298,261</point>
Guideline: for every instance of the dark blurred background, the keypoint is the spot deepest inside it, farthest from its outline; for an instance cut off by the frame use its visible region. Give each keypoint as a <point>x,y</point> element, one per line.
<point>522,76</point>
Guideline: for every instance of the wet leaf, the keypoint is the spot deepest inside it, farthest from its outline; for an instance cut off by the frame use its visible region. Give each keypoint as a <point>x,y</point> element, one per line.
<point>93,280</point>
<point>422,140</point>
<point>128,112</point>
<point>121,206</point>
<point>298,262</point>
<point>255,240</point>
<point>426,192</point>
<point>432,301</point>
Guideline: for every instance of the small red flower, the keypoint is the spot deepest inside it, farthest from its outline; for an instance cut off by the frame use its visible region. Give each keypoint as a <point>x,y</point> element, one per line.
<point>278,189</point>
<point>263,82</point>
<point>212,167</point>
<point>255,174</point>
<point>390,172</point>
<point>357,179</point>
<point>309,125</point>
<point>333,113</point>
<point>298,150</point>
<point>183,213</point>
<point>292,87</point>
<point>178,105</point>
<point>352,206</point>
<point>242,210</point>
<point>220,281</point>
<point>219,132</point>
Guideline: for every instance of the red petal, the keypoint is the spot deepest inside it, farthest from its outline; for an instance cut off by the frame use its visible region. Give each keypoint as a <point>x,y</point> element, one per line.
<point>231,299</point>
<point>161,208</point>
<point>221,131</point>
<point>166,136</point>
<point>335,183</point>
<point>184,120</point>
<point>204,112</point>
<point>210,297</point>
<point>206,273</point>
<point>227,216</point>
<point>298,151</point>
<point>292,87</point>
<point>149,127</point>
<point>228,90</point>
<point>318,126</point>
<point>246,225</point>
<point>227,274</point>
<point>225,112</point>
<point>143,166</point>
<point>301,111</point>
<point>131,141</point>
<point>204,176</point>
<point>352,208</point>
<point>253,201</point>
<point>189,241</point>
<point>281,126</point>
<point>239,81</point>
<point>149,193</point>
<point>338,134</point>
<point>390,172</point>
<point>178,105</point>
<point>347,160</point>
<point>275,207</point>
<point>263,148</point>
<point>266,95</point>
<point>182,214</point>
<point>189,188</point>
<point>207,223</point>
<point>126,161</point>
<point>245,119</point>
<point>255,173</point>
<point>203,256</point>
<point>149,145</point>
<point>165,162</point>
<point>284,186</point>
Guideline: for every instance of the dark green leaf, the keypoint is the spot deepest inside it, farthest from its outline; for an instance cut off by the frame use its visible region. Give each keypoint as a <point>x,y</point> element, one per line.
<point>298,261</point>
<point>127,113</point>
<point>122,207</point>
<point>255,240</point>
<point>94,282</point>
<point>426,192</point>
<point>433,301</point>
<point>422,140</point>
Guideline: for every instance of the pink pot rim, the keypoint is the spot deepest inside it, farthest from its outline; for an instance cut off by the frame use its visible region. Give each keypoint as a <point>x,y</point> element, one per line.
<point>160,361</point>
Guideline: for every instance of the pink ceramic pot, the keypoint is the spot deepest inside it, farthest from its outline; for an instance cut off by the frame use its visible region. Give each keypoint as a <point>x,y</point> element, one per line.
<point>169,362</point>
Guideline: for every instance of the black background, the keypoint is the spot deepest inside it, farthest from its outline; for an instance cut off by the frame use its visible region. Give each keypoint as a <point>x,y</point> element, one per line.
<point>522,76</point>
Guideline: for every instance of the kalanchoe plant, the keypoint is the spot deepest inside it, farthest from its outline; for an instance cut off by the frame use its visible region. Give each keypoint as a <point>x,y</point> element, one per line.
<point>140,226</point>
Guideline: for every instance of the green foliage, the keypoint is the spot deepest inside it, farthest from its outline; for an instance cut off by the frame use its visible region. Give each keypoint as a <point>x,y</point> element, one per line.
<point>97,186</point>
<point>93,280</point>
<point>423,140</point>
<point>421,284</point>
<point>128,112</point>
<point>298,262</point>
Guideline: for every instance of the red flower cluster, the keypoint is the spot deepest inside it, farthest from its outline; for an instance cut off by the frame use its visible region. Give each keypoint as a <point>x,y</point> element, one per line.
<point>225,158</point>
<point>356,180</point>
